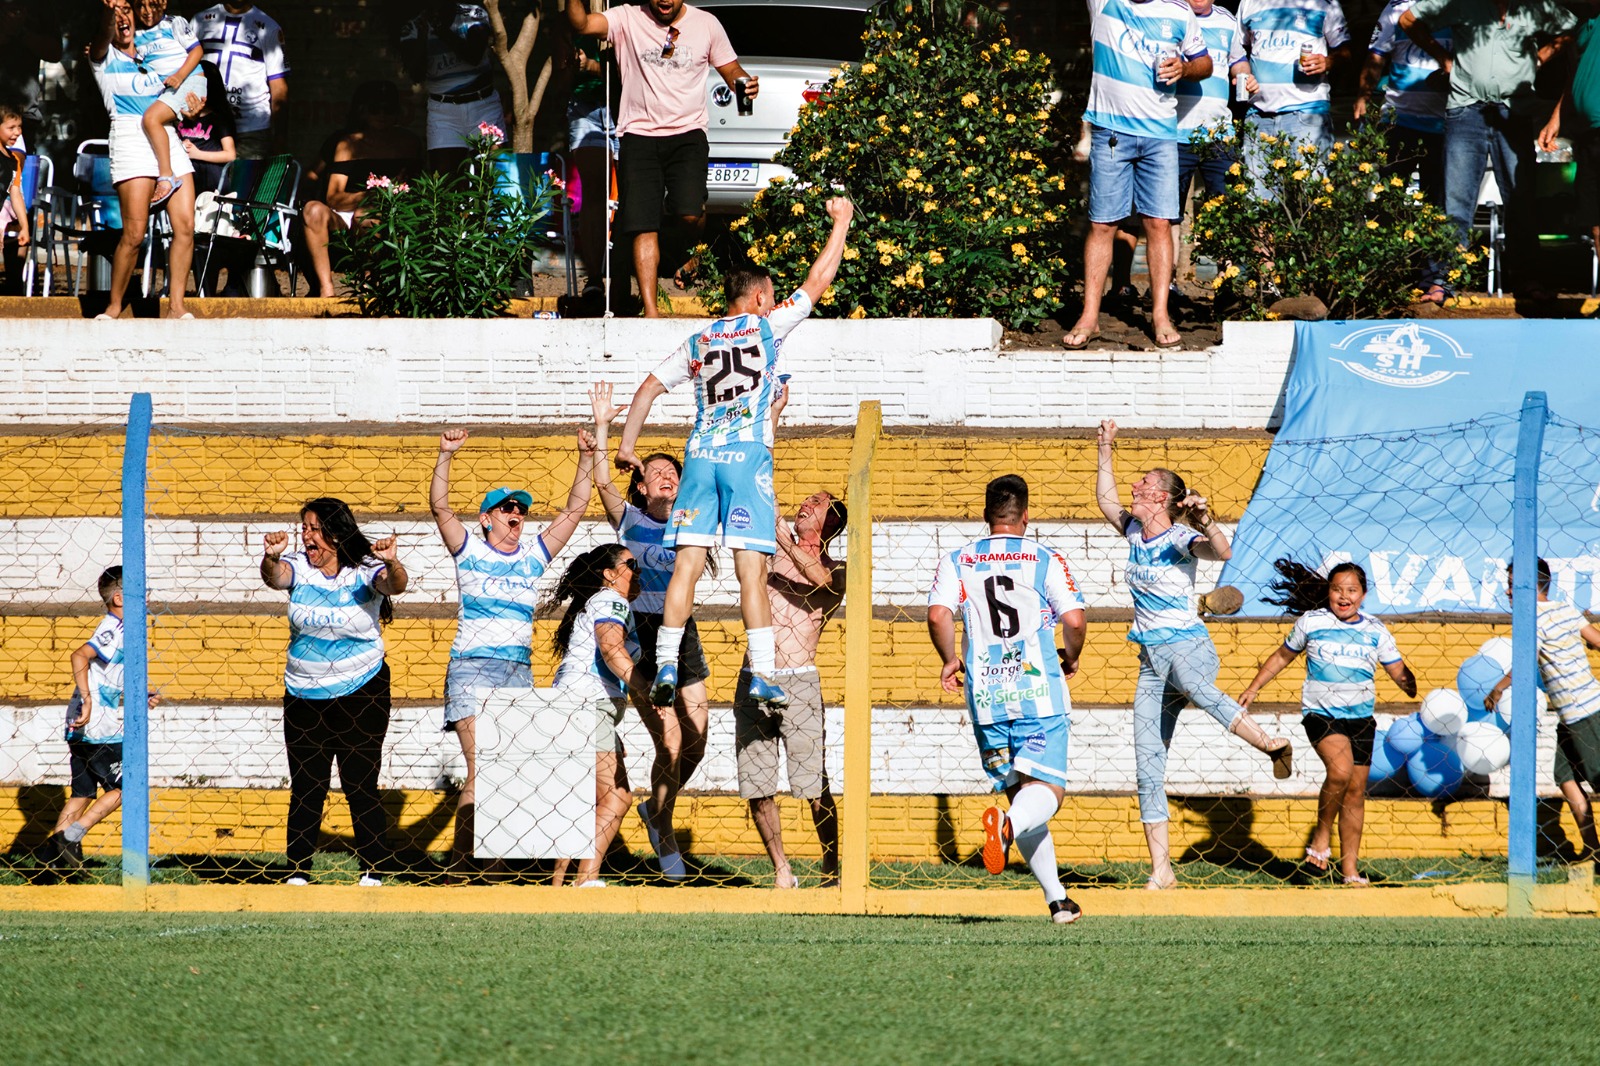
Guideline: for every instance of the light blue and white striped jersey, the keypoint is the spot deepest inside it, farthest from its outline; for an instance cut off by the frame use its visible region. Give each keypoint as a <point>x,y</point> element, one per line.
<point>1010,593</point>
<point>1342,660</point>
<point>1417,89</point>
<point>583,667</point>
<point>126,90</point>
<point>499,591</point>
<point>446,70</point>
<point>1205,103</point>
<point>1564,664</point>
<point>1274,32</point>
<point>1130,38</point>
<point>733,363</point>
<point>164,47</point>
<point>1160,574</point>
<point>105,680</point>
<point>335,640</point>
<point>641,534</point>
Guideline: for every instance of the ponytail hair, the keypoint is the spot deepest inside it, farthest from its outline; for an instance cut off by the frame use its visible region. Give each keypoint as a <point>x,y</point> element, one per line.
<point>1176,491</point>
<point>584,577</point>
<point>350,546</point>
<point>1301,589</point>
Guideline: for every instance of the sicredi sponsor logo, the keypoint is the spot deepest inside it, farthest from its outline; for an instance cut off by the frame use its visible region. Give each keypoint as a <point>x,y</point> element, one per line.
<point>1407,356</point>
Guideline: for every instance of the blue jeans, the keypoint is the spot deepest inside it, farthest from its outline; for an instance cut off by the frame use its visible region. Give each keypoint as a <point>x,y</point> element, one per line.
<point>1131,175</point>
<point>1471,133</point>
<point>1171,676</point>
<point>1306,127</point>
<point>1213,171</point>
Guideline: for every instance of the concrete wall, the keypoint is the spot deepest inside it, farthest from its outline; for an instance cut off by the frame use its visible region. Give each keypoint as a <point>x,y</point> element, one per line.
<point>330,371</point>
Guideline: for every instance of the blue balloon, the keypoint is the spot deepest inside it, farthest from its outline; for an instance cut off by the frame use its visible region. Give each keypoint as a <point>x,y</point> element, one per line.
<point>1435,769</point>
<point>1386,762</point>
<point>1476,677</point>
<point>1407,735</point>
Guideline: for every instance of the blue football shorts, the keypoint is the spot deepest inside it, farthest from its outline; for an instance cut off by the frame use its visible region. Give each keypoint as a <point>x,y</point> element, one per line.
<point>726,489</point>
<point>1024,747</point>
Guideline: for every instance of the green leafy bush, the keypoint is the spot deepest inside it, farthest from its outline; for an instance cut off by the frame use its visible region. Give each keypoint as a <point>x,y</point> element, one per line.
<point>943,138</point>
<point>447,246</point>
<point>1340,226</point>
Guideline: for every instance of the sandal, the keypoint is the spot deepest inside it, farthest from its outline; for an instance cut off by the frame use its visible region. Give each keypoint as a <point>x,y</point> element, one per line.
<point>1318,857</point>
<point>1436,295</point>
<point>1357,881</point>
<point>1087,335</point>
<point>1154,885</point>
<point>1172,340</point>
<point>157,197</point>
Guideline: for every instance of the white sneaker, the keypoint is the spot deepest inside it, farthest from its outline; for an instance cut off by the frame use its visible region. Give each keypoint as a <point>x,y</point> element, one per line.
<point>297,879</point>
<point>593,884</point>
<point>368,881</point>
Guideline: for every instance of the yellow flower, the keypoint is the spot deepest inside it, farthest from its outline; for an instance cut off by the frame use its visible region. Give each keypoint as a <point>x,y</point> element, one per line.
<point>851,253</point>
<point>1454,274</point>
<point>1372,223</point>
<point>1241,188</point>
<point>1470,258</point>
<point>1049,216</point>
<point>1411,234</point>
<point>1300,175</point>
<point>929,207</point>
<point>1417,195</point>
<point>1040,292</point>
<point>1338,146</point>
<point>1011,119</point>
<point>904,128</point>
<point>797,209</point>
<point>1022,55</point>
<point>1216,282</point>
<point>883,120</point>
<point>1327,186</point>
<point>970,100</point>
<point>1365,168</point>
<point>898,282</point>
<point>981,139</point>
<point>1231,272</point>
<point>885,259</point>
<point>1279,164</point>
<point>827,295</point>
<point>869,68</point>
<point>858,312</point>
<point>1019,250</point>
<point>1397,183</point>
<point>1234,170</point>
<point>914,173</point>
<point>1307,149</point>
<point>736,223</point>
<point>1022,229</point>
<point>935,258</point>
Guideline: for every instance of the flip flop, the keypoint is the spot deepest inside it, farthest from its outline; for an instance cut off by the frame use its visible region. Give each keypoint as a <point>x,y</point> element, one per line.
<point>1088,336</point>
<point>1174,340</point>
<point>1153,885</point>
<point>1357,881</point>
<point>1318,858</point>
<point>1436,295</point>
<point>158,198</point>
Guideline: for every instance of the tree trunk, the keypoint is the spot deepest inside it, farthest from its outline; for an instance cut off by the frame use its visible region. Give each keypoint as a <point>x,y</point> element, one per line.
<point>513,57</point>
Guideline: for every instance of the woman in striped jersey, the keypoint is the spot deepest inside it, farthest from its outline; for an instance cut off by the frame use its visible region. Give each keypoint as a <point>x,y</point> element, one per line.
<point>1178,664</point>
<point>1343,650</point>
<point>497,574</point>
<point>336,685</point>
<point>679,731</point>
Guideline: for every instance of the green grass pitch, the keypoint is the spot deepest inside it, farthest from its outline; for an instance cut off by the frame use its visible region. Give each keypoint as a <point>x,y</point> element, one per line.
<point>249,988</point>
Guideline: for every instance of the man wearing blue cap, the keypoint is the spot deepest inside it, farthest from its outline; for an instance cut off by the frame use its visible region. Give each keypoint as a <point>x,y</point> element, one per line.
<point>498,575</point>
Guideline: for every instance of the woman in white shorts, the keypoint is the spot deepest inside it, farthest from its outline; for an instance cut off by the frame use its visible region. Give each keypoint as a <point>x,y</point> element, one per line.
<point>598,649</point>
<point>129,88</point>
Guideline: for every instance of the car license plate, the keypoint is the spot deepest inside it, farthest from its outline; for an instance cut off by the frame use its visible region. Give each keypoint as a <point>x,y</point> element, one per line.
<point>731,174</point>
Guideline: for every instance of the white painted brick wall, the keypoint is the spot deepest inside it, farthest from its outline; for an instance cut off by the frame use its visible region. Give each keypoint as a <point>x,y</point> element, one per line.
<point>915,750</point>
<point>330,371</point>
<point>54,562</point>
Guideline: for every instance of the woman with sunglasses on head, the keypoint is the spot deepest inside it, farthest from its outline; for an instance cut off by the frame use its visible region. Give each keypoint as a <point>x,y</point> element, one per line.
<point>497,575</point>
<point>599,649</point>
<point>679,731</point>
<point>336,684</point>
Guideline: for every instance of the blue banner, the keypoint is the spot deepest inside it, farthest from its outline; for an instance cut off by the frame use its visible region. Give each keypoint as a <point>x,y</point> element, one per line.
<point>1397,451</point>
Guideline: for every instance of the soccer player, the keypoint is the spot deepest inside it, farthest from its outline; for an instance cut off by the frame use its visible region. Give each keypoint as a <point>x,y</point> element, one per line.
<point>1012,592</point>
<point>727,468</point>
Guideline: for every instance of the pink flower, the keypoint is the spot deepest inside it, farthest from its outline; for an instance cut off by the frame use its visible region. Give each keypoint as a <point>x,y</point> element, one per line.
<point>375,182</point>
<point>402,187</point>
<point>494,133</point>
<point>557,182</point>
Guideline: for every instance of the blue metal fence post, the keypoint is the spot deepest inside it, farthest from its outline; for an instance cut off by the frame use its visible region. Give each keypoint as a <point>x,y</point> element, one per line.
<point>1520,844</point>
<point>135,652</point>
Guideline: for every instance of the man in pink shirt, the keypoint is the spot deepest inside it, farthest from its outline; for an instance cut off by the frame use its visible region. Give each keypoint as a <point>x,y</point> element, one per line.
<point>663,48</point>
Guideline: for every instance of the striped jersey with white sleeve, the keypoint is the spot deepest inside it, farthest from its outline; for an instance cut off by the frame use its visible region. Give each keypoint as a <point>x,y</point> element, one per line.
<point>1342,660</point>
<point>165,47</point>
<point>105,681</point>
<point>1275,31</point>
<point>335,641</point>
<point>127,90</point>
<point>1160,574</point>
<point>1010,593</point>
<point>1130,38</point>
<point>1564,664</point>
<point>733,363</point>
<point>584,668</point>
<point>641,534</point>
<point>1204,103</point>
<point>499,592</point>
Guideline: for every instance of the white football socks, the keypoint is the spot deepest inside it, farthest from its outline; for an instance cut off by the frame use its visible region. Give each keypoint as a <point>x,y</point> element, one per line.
<point>1033,807</point>
<point>763,651</point>
<point>1039,852</point>
<point>668,641</point>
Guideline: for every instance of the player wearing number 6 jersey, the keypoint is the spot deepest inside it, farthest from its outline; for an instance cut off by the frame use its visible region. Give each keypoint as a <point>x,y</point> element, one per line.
<point>1012,593</point>
<point>727,463</point>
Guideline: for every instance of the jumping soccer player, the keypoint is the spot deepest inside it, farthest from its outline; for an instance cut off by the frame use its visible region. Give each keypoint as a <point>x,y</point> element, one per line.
<point>727,468</point>
<point>1012,592</point>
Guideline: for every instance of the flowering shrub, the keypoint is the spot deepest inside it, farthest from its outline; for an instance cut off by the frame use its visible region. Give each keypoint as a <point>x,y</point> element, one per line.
<point>447,246</point>
<point>943,139</point>
<point>1337,225</point>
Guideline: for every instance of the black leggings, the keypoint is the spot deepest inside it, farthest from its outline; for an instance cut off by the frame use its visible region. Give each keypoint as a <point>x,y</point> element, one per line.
<point>350,729</point>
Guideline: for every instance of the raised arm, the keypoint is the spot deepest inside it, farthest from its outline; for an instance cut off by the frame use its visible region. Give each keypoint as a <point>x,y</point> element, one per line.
<point>100,43</point>
<point>394,579</point>
<point>450,527</point>
<point>275,573</point>
<point>826,268</point>
<point>812,568</point>
<point>638,411</point>
<point>1401,673</point>
<point>1269,670</point>
<point>584,22</point>
<point>1105,479</point>
<point>565,523</point>
<point>605,413</point>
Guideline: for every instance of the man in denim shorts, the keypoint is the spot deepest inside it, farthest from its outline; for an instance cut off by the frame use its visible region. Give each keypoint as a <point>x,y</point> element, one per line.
<point>1142,49</point>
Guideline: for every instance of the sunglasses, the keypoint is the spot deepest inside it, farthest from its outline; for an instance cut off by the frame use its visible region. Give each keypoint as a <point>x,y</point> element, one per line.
<point>631,564</point>
<point>512,507</point>
<point>672,43</point>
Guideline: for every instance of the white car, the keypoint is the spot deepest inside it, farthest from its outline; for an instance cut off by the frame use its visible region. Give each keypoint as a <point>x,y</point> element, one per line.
<point>816,37</point>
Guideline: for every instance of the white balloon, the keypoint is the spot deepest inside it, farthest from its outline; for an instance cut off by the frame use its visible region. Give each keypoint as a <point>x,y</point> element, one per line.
<point>1483,747</point>
<point>1502,709</point>
<point>1443,712</point>
<point>1498,649</point>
